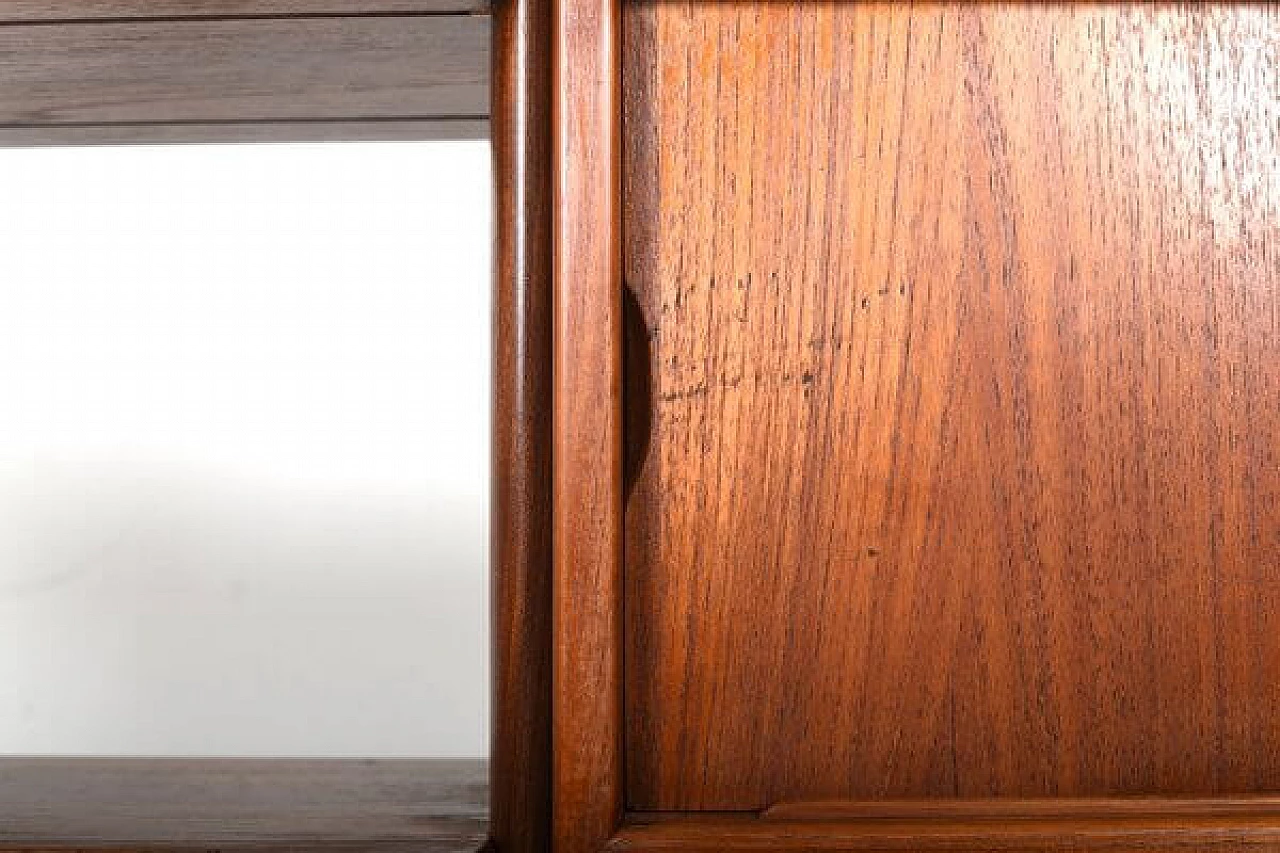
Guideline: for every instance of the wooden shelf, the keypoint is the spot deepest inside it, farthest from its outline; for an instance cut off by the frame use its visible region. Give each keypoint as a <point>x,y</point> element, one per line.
<point>428,806</point>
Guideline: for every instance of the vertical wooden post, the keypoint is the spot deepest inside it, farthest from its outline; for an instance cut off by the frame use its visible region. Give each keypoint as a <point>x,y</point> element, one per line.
<point>587,769</point>
<point>520,767</point>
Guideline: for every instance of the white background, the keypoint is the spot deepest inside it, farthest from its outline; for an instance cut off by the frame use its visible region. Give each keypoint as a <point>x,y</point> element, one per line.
<point>243,450</point>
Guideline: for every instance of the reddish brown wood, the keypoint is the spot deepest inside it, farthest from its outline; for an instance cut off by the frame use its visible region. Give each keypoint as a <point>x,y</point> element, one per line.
<point>586,427</point>
<point>956,416</point>
<point>997,829</point>
<point>1064,808</point>
<point>521,549</point>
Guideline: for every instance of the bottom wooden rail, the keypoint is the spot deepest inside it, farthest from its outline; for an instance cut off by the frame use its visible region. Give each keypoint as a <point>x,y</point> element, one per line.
<point>1117,825</point>
<point>424,806</point>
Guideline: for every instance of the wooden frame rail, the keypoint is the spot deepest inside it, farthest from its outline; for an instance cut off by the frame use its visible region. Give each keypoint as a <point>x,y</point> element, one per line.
<point>78,72</point>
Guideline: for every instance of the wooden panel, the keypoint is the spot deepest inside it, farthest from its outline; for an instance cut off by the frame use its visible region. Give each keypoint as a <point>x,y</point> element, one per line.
<point>953,401</point>
<point>521,518</point>
<point>428,806</point>
<point>586,480</point>
<point>198,71</point>
<point>70,10</point>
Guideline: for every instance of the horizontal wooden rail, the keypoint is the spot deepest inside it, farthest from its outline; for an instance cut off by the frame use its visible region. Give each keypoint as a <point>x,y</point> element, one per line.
<point>1116,825</point>
<point>406,75</point>
<point>72,10</point>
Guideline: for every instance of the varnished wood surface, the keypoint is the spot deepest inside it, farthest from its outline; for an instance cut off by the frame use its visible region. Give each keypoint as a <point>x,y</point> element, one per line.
<point>1115,831</point>
<point>1261,806</point>
<point>245,70</point>
<point>79,10</point>
<point>435,806</point>
<point>521,547</point>
<point>587,764</point>
<point>953,402</point>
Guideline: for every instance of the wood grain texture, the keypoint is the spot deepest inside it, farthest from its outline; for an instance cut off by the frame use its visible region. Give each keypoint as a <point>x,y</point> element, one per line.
<point>587,763</point>
<point>436,806</point>
<point>270,70</point>
<point>1261,806</point>
<point>953,402</point>
<point>1123,831</point>
<point>79,10</point>
<point>521,546</point>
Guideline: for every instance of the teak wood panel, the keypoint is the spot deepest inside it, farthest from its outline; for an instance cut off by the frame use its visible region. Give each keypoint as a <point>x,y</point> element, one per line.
<point>953,401</point>
<point>398,68</point>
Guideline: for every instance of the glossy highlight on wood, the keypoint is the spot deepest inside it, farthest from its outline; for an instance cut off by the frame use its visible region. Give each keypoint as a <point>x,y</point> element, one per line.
<point>955,404</point>
<point>587,453</point>
<point>520,814</point>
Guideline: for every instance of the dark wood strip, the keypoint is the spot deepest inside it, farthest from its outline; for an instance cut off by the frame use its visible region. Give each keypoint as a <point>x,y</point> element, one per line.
<point>432,805</point>
<point>245,70</point>
<point>521,763</point>
<point>1010,808</point>
<point>587,764</point>
<point>70,10</point>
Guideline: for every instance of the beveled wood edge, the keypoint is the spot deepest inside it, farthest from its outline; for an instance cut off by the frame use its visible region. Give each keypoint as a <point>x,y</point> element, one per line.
<point>1025,808</point>
<point>1115,825</point>
<point>587,726</point>
<point>201,133</point>
<point>520,776</point>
